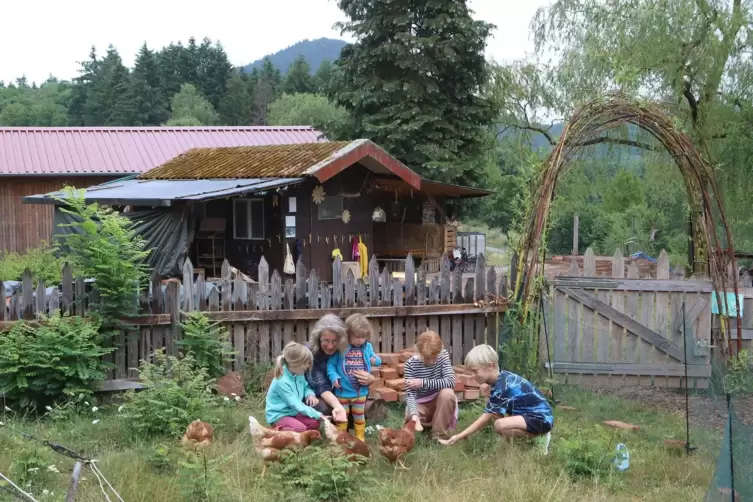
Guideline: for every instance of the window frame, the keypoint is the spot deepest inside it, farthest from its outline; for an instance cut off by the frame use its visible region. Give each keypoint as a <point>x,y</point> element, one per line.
<point>342,208</point>
<point>249,203</point>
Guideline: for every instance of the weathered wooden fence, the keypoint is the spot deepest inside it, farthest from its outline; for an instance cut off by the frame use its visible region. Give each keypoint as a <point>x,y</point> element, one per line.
<point>263,316</point>
<point>616,330</point>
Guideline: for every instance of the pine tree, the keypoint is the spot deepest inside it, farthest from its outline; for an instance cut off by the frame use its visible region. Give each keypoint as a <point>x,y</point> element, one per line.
<point>236,107</point>
<point>323,76</point>
<point>412,82</point>
<point>105,101</point>
<point>213,71</point>
<point>82,85</point>
<point>266,83</point>
<point>298,79</point>
<point>145,102</point>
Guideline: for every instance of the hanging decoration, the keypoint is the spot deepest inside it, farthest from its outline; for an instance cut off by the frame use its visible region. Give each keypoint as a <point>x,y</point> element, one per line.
<point>379,215</point>
<point>318,194</point>
<point>275,201</point>
<point>346,216</point>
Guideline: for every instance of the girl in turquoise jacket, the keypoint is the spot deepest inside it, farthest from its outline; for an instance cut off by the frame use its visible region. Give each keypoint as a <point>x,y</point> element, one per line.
<point>342,366</point>
<point>290,398</point>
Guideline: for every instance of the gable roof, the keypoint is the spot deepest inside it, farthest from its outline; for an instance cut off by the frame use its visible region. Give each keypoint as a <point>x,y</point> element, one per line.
<point>320,160</point>
<point>46,151</point>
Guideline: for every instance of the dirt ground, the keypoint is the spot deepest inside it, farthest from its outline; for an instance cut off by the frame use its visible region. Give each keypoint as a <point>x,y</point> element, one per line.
<point>705,411</point>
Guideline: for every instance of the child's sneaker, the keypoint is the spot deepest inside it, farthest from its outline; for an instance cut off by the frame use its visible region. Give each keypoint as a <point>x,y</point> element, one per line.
<point>542,443</point>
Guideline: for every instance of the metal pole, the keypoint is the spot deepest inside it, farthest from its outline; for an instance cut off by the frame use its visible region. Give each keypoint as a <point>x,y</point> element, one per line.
<point>70,495</point>
<point>546,339</point>
<point>687,404</point>
<point>731,454</point>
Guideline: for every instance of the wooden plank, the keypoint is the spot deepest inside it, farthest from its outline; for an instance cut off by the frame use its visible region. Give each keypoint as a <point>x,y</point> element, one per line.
<point>398,333</point>
<point>189,294</point>
<point>227,294</point>
<point>503,286</point>
<point>629,284</point>
<point>275,291</point>
<point>491,281</point>
<point>312,287</point>
<point>589,263</point>
<point>263,284</point>
<point>325,295</point>
<point>445,330</point>
<point>480,293</point>
<point>27,292</point>
<point>410,280</point>
<point>458,353</point>
<point>457,286</point>
<point>264,343</point>
<point>574,329</point>
<point>337,283</point>
<point>302,331</point>
<point>240,295</point>
<point>118,385</point>
<point>16,305</point>
<point>3,315</point>
<point>41,299</point>
<point>411,331</point>
<point>121,370</point>
<point>374,283</point>
<point>661,317</point>
<point>54,301</point>
<point>158,297</point>
<point>630,324</point>
<point>251,343</point>
<point>214,300</point>
<point>397,292</point>
<point>201,293</point>
<point>433,325</point>
<point>631,310</point>
<point>173,308</point>
<point>560,325</point>
<point>603,328</point>
<point>434,291</point>
<point>672,370</point>
<point>288,329</point>
<point>444,281</point>
<point>468,294</point>
<point>385,287</point>
<point>385,341</point>
<point>289,295</point>
<point>300,285</point>
<point>421,285</point>
<point>350,290</point>
<point>158,341</point>
<point>66,301</point>
<point>362,296</point>
<point>647,352</point>
<point>480,336</point>
<point>133,339</point>
<point>457,340</point>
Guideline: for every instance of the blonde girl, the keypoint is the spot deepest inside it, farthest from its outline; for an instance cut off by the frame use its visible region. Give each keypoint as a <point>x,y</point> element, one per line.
<point>290,399</point>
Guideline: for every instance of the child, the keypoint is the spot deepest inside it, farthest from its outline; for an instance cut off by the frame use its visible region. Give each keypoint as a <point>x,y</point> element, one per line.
<point>517,408</point>
<point>286,409</point>
<point>342,367</point>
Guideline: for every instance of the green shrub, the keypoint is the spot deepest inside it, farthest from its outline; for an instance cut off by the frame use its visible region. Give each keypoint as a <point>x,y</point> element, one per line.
<point>43,363</point>
<point>315,474</point>
<point>198,477</point>
<point>177,393</point>
<point>207,343</point>
<point>103,245</point>
<point>40,261</point>
<point>586,451</point>
<point>739,378</point>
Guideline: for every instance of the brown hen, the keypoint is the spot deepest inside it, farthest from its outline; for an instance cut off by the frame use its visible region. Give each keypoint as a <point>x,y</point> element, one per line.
<point>394,444</point>
<point>354,449</point>
<point>270,443</point>
<point>198,434</point>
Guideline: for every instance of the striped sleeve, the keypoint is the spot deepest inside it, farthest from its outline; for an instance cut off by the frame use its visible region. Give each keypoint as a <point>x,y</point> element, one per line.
<point>410,394</point>
<point>440,375</point>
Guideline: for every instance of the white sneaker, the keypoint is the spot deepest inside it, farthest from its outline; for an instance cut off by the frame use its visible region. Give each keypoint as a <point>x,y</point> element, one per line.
<point>542,442</point>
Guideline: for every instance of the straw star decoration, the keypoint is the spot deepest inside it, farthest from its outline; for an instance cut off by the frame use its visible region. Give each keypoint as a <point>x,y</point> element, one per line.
<point>346,216</point>
<point>318,194</point>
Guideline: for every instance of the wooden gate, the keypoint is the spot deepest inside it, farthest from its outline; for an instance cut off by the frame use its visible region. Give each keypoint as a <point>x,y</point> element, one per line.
<point>628,331</point>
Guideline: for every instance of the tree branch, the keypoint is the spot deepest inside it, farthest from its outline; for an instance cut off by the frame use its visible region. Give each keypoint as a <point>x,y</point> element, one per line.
<point>617,141</point>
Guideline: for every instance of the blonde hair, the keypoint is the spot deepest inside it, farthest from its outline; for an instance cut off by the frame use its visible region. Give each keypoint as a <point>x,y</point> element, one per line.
<point>293,354</point>
<point>482,355</point>
<point>331,323</point>
<point>428,344</point>
<point>358,324</point>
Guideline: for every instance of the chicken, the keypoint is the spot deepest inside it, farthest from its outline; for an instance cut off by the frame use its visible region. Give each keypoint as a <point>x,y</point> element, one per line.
<point>270,443</point>
<point>198,434</point>
<point>396,443</point>
<point>346,442</point>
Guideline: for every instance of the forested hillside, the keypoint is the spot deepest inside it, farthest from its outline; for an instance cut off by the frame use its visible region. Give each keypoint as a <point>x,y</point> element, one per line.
<point>315,52</point>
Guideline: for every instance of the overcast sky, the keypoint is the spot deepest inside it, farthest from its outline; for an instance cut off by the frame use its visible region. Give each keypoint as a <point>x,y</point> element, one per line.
<point>49,36</point>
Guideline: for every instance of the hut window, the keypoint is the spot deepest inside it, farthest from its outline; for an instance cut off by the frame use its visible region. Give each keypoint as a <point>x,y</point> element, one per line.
<point>248,219</point>
<point>331,208</point>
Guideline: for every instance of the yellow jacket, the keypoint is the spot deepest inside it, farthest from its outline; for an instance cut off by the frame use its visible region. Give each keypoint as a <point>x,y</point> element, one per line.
<point>363,258</point>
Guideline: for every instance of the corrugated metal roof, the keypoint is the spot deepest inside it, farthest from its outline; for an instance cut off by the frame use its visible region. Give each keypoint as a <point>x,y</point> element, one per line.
<point>246,162</point>
<point>35,151</point>
<point>164,192</point>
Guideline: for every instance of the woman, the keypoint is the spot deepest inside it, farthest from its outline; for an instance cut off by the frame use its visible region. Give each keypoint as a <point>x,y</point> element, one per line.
<point>327,337</point>
<point>429,382</point>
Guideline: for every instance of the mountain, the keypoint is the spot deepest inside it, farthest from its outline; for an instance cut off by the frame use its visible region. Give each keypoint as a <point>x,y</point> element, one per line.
<point>315,51</point>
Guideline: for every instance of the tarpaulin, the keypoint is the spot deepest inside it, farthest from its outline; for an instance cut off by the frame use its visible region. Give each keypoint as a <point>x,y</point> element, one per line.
<point>164,230</point>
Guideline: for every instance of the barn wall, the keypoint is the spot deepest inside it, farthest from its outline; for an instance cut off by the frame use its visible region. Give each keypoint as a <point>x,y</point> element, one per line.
<point>24,226</point>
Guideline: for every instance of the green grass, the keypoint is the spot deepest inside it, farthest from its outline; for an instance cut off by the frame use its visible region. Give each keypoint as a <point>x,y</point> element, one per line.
<point>477,469</point>
<point>495,238</point>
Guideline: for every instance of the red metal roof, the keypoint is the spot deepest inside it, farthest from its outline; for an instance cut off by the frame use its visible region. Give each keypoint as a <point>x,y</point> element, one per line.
<point>44,151</point>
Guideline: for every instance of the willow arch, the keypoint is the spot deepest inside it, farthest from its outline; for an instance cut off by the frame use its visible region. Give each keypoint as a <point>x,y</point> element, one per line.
<point>586,126</point>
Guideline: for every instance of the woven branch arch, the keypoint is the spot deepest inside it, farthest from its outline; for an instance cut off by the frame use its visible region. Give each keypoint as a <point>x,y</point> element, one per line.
<point>590,122</point>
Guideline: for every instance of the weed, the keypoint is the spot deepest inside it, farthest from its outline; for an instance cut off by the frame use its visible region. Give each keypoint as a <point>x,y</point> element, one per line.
<point>207,343</point>
<point>198,477</point>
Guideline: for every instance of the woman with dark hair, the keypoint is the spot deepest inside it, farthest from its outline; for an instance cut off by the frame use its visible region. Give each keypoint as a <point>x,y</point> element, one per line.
<point>328,337</point>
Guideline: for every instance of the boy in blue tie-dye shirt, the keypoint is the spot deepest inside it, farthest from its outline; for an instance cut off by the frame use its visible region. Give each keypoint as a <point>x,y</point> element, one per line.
<point>516,407</point>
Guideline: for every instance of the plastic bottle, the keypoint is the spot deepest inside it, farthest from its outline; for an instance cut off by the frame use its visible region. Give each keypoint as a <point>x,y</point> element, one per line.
<point>622,458</point>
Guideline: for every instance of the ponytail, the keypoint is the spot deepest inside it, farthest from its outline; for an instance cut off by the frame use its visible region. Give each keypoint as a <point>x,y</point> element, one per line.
<point>278,366</point>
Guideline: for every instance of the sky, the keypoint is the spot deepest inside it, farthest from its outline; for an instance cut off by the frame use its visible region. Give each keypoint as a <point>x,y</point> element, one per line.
<point>49,36</point>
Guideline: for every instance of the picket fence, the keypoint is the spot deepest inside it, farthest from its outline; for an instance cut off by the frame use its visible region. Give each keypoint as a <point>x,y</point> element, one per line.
<point>262,316</point>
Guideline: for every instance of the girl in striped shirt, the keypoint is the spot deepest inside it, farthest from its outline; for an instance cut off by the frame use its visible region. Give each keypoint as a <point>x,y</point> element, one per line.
<point>429,380</point>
